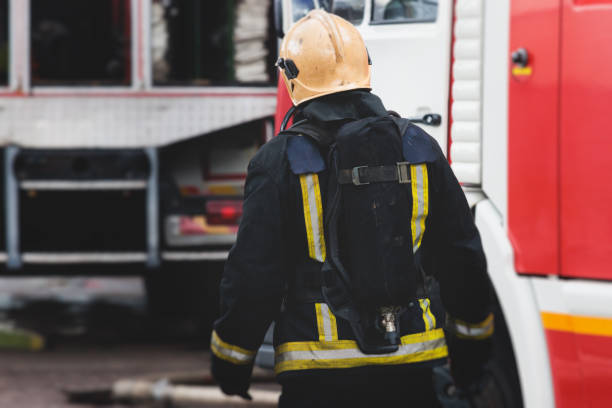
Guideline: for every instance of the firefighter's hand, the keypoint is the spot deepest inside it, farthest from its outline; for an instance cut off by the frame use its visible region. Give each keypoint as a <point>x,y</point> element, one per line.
<point>233,389</point>
<point>468,359</point>
<point>233,379</point>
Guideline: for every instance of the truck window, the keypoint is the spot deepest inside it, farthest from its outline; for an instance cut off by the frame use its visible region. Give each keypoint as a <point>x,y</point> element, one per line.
<point>351,10</point>
<point>76,42</point>
<point>404,11</point>
<point>201,43</point>
<point>4,53</point>
<point>300,8</point>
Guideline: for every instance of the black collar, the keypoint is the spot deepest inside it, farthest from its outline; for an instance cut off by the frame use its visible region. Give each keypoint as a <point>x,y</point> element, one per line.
<point>341,107</point>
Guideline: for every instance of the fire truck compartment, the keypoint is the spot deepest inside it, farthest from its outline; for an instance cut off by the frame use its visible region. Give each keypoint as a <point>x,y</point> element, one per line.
<point>80,42</point>
<point>79,221</point>
<point>212,43</point>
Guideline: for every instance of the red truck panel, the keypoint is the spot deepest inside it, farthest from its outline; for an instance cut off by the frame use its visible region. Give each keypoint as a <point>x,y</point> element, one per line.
<point>533,137</point>
<point>283,103</point>
<point>586,139</point>
<point>580,350</point>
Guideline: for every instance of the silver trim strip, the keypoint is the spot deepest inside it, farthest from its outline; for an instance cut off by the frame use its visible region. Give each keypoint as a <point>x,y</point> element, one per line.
<point>152,209</point>
<point>83,257</point>
<point>195,256</point>
<point>11,209</point>
<point>83,185</point>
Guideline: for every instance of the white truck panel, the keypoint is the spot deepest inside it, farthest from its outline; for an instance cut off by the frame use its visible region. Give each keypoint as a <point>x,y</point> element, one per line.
<point>574,297</point>
<point>465,149</point>
<point>466,91</point>
<point>466,152</point>
<point>467,173</point>
<point>466,132</point>
<point>495,105</point>
<point>123,121</point>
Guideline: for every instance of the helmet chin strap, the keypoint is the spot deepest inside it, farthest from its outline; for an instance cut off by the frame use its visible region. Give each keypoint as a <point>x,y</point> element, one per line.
<point>288,116</point>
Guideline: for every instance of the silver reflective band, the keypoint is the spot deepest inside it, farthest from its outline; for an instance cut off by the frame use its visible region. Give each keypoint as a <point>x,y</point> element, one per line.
<point>480,330</point>
<point>420,203</point>
<point>307,355</point>
<point>313,215</point>
<point>230,352</point>
<point>428,317</point>
<point>326,323</point>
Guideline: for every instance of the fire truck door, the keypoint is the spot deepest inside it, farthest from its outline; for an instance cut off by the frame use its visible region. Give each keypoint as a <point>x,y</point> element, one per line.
<point>586,92</point>
<point>409,43</point>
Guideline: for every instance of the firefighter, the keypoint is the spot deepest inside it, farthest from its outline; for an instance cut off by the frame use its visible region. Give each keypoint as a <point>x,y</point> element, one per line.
<point>285,266</point>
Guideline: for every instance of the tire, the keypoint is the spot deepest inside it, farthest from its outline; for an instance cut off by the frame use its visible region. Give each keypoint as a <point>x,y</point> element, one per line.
<point>500,387</point>
<point>184,297</point>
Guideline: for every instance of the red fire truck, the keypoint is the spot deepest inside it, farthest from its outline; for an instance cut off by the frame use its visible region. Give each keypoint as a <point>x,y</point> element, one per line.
<point>125,128</point>
<point>524,95</point>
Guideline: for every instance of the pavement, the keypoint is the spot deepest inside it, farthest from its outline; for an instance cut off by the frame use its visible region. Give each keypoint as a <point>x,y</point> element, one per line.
<point>96,331</point>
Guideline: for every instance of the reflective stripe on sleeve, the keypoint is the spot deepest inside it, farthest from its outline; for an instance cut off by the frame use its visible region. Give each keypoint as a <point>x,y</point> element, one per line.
<point>475,331</point>
<point>229,352</point>
<point>420,203</point>
<point>313,215</point>
<point>428,318</point>
<point>425,346</point>
<point>326,323</point>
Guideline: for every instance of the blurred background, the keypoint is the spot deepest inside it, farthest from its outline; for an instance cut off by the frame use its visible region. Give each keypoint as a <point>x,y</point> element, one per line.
<point>126,127</point>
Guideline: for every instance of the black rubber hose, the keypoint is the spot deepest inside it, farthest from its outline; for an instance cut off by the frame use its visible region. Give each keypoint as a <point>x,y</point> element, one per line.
<point>288,116</point>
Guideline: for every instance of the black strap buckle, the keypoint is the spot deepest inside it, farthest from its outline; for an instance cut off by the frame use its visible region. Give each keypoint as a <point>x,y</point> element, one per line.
<point>356,179</point>
<point>403,172</point>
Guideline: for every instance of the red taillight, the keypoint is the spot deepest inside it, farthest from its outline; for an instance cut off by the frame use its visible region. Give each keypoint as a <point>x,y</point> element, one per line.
<point>226,212</point>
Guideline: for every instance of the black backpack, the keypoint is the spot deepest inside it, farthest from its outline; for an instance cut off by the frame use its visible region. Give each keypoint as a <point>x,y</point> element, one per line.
<point>370,274</point>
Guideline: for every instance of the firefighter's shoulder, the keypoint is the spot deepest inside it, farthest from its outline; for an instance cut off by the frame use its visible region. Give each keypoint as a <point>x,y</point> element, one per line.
<point>419,146</point>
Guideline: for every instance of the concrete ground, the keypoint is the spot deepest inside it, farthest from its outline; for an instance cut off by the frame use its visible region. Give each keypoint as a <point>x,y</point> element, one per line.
<point>96,331</point>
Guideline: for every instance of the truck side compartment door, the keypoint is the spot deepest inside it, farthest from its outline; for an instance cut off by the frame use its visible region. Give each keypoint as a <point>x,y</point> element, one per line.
<point>409,43</point>
<point>586,138</point>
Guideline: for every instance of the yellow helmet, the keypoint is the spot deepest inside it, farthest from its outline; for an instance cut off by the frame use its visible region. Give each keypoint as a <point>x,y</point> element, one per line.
<point>323,54</point>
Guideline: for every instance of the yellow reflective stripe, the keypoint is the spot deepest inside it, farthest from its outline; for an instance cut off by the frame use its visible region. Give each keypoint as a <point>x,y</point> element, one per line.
<point>420,202</point>
<point>414,338</point>
<point>415,205</point>
<point>475,331</point>
<point>428,318</point>
<point>230,352</point>
<point>425,202</point>
<point>326,323</point>
<point>306,205</point>
<point>426,355</point>
<point>317,193</point>
<point>334,326</point>
<point>320,327</point>
<point>345,353</point>
<point>423,336</point>
<point>313,215</point>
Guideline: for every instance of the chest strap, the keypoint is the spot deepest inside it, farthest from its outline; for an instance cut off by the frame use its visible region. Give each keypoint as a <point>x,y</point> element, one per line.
<point>375,174</point>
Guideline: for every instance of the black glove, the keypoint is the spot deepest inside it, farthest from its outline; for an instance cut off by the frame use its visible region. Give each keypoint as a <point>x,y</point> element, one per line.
<point>233,379</point>
<point>468,359</point>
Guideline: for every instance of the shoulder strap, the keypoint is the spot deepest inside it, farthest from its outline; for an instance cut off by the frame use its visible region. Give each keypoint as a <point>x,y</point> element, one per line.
<point>303,147</point>
<point>322,136</point>
<point>417,145</point>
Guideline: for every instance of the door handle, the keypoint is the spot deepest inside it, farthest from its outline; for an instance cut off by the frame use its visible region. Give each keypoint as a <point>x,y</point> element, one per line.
<point>520,57</point>
<point>429,119</point>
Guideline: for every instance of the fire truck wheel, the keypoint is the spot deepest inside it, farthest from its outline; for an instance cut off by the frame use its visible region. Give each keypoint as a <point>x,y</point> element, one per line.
<point>502,370</point>
<point>185,296</point>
